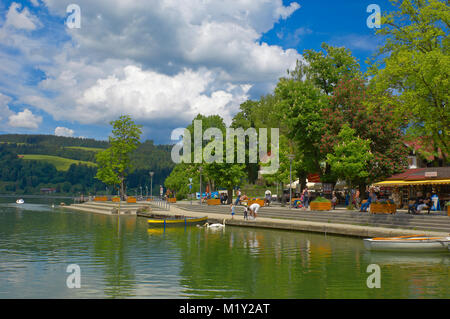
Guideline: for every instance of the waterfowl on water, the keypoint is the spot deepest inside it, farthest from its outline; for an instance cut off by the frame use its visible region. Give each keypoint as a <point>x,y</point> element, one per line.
<point>215,225</point>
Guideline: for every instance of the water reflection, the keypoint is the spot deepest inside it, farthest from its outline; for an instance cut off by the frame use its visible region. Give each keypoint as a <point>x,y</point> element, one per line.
<point>121,257</point>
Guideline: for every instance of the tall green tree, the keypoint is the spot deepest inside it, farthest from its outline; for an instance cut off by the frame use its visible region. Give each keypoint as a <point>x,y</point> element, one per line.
<point>350,157</point>
<point>352,104</point>
<point>325,68</point>
<point>414,63</point>
<point>114,163</point>
<point>301,103</point>
<point>216,174</point>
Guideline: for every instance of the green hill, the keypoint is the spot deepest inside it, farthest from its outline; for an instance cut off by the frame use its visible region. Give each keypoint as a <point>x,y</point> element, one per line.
<point>83,148</point>
<point>68,164</point>
<point>60,163</point>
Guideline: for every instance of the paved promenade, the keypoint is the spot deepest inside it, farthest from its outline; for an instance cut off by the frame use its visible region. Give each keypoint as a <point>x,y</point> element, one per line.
<point>340,221</point>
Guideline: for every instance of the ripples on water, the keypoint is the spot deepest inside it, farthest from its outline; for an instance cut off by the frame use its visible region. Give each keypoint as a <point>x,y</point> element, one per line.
<point>121,257</point>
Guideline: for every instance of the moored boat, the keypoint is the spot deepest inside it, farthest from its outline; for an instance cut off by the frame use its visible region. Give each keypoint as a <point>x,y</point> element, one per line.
<point>413,243</point>
<point>168,221</point>
<point>20,201</point>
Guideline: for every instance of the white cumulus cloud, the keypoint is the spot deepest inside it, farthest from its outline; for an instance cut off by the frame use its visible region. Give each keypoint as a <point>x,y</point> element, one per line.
<point>64,131</point>
<point>25,119</point>
<point>21,19</point>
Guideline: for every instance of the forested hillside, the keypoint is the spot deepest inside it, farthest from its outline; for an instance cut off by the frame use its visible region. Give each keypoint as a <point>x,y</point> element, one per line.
<point>31,162</point>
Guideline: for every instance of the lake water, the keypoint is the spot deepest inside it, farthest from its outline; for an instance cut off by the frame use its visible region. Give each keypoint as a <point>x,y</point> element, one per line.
<point>122,258</point>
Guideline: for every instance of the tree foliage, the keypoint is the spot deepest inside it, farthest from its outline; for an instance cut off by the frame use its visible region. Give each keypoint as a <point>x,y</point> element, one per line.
<point>114,163</point>
<point>350,157</point>
<point>414,64</point>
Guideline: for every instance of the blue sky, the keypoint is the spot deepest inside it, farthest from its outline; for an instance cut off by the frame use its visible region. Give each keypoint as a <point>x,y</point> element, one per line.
<point>162,62</point>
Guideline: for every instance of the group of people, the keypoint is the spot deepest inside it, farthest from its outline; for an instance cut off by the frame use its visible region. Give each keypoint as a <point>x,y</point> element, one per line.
<point>353,197</point>
<point>252,210</point>
<point>304,199</point>
<point>416,205</point>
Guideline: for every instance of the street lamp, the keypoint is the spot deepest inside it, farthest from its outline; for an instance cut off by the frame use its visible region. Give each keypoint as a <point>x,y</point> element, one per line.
<point>151,184</point>
<point>291,157</point>
<point>141,190</point>
<point>146,191</point>
<point>190,188</point>
<point>200,170</point>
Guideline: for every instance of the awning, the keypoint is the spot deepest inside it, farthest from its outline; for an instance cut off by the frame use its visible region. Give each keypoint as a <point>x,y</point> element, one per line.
<point>407,183</point>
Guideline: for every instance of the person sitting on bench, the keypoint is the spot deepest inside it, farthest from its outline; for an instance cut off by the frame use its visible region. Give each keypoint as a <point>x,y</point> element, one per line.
<point>425,203</point>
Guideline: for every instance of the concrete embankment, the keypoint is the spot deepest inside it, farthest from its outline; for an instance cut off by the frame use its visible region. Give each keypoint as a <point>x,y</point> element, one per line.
<point>273,222</point>
<point>302,225</point>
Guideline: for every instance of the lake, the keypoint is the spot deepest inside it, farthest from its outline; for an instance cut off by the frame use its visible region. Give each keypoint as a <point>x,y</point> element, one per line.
<point>120,257</point>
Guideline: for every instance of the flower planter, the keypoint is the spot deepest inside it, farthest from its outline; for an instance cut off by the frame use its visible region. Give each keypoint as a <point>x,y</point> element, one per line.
<point>448,210</point>
<point>257,201</point>
<point>172,200</point>
<point>378,208</point>
<point>116,199</point>
<point>213,201</point>
<point>100,199</point>
<point>320,205</point>
<point>131,200</point>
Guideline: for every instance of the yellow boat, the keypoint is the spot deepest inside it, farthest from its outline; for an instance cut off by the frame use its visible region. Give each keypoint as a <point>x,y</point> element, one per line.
<point>169,221</point>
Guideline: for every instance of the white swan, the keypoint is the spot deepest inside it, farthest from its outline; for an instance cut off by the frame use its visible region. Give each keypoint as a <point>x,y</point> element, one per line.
<point>215,226</point>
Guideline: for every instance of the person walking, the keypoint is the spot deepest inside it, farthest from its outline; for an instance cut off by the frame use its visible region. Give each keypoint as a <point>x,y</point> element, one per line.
<point>334,200</point>
<point>372,198</point>
<point>238,197</point>
<point>306,197</point>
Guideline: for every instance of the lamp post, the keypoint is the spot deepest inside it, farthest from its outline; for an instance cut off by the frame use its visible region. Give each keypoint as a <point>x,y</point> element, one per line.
<point>146,191</point>
<point>200,170</point>
<point>190,188</point>
<point>151,184</point>
<point>291,157</point>
<point>141,190</point>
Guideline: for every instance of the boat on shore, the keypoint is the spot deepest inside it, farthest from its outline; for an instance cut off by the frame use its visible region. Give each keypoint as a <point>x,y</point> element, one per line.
<point>20,201</point>
<point>413,243</point>
<point>169,221</point>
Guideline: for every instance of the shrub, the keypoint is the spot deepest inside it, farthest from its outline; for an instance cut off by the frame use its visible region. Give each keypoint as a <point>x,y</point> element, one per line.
<point>351,207</point>
<point>180,196</point>
<point>320,199</point>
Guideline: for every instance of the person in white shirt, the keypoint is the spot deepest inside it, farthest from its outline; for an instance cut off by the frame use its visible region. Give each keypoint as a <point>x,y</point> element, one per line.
<point>254,208</point>
<point>268,194</point>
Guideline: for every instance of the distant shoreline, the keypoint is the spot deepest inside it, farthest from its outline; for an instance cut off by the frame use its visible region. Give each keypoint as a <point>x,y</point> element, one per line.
<point>36,196</point>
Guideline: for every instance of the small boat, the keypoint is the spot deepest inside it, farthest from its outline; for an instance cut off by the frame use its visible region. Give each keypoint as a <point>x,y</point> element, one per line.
<point>20,201</point>
<point>413,243</point>
<point>168,221</point>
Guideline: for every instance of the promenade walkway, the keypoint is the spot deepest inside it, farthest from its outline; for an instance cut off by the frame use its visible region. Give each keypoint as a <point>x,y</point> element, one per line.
<point>434,222</point>
<point>340,221</point>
